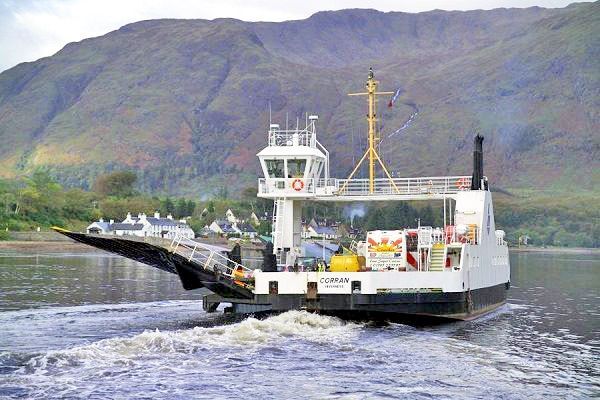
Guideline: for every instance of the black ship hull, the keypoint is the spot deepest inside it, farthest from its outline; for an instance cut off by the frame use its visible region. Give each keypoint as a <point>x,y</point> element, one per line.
<point>401,306</point>
<point>394,306</point>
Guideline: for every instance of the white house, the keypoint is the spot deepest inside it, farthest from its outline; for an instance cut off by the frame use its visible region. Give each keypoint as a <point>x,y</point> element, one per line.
<point>224,227</point>
<point>312,232</point>
<point>231,216</point>
<point>206,232</point>
<point>144,226</point>
<point>128,229</point>
<point>254,219</point>
<point>101,227</point>
<point>245,230</point>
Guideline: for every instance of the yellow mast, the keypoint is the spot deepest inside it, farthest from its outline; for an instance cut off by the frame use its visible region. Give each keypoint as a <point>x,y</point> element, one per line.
<point>372,94</point>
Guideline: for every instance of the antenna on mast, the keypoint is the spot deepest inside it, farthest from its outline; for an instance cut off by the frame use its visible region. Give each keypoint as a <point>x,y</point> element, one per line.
<point>270,119</point>
<point>352,141</point>
<point>371,152</point>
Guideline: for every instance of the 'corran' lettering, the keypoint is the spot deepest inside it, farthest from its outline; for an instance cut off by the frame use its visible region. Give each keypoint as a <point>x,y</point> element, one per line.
<point>335,280</point>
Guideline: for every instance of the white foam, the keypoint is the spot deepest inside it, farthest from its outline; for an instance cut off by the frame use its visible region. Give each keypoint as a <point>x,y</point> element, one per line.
<point>248,334</point>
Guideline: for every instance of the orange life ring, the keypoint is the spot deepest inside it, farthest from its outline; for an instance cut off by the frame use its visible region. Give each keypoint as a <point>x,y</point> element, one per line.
<point>462,183</point>
<point>297,184</point>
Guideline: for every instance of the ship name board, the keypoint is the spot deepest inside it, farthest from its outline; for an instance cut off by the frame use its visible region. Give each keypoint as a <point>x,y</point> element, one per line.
<point>334,284</point>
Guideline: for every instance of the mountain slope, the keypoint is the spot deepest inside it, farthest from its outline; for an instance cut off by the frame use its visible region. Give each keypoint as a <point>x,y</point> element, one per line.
<point>185,102</point>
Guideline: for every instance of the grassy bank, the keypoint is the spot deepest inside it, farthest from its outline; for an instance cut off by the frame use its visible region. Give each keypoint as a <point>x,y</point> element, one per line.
<point>559,219</point>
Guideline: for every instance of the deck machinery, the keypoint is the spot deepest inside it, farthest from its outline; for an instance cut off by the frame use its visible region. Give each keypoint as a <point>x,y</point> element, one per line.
<point>458,271</point>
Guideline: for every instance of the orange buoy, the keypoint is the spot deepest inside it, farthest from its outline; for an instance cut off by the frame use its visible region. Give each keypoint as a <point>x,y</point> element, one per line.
<point>297,185</point>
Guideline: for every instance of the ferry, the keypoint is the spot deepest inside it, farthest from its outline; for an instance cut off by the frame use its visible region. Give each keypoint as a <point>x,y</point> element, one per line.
<point>456,271</point>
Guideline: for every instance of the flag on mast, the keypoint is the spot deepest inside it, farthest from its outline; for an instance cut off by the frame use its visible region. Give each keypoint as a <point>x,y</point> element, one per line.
<point>394,97</point>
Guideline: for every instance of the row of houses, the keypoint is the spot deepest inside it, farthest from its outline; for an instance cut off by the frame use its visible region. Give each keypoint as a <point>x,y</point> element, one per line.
<point>229,226</point>
<point>225,228</point>
<point>326,229</point>
<point>313,229</point>
<point>143,226</point>
<point>231,218</point>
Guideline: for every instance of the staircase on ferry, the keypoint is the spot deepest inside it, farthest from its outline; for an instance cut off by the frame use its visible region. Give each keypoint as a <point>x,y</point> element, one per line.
<point>438,256</point>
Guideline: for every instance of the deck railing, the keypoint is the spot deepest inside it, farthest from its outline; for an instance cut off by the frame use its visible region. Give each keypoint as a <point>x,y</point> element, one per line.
<point>298,186</point>
<point>360,187</point>
<point>407,186</point>
<point>210,259</point>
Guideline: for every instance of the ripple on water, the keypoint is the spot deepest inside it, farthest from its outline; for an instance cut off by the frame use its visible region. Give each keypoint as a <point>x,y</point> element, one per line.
<point>311,355</point>
<point>542,344</point>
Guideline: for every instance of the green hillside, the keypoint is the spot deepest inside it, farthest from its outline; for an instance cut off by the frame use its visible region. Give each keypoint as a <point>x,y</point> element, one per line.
<point>185,102</point>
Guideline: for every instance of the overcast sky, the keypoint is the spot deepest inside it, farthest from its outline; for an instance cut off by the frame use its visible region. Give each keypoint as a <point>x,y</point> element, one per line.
<point>31,29</point>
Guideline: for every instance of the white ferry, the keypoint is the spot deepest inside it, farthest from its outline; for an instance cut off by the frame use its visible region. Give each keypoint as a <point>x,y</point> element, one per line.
<point>457,271</point>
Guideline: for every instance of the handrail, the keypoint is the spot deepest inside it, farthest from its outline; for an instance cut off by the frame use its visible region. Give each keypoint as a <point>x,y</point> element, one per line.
<point>427,185</point>
<point>213,261</point>
<point>419,185</point>
<point>288,185</point>
<point>354,246</point>
<point>293,137</point>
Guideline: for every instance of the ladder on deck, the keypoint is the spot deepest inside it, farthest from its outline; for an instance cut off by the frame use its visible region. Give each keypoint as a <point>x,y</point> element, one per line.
<point>278,221</point>
<point>438,257</point>
<point>354,247</point>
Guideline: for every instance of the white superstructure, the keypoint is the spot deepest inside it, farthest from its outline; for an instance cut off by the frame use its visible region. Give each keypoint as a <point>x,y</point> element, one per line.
<point>465,254</point>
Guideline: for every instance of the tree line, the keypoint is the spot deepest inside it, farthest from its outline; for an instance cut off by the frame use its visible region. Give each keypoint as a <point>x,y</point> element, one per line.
<point>39,201</point>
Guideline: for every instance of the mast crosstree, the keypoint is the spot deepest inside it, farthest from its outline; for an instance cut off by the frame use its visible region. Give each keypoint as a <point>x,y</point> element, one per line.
<point>371,152</point>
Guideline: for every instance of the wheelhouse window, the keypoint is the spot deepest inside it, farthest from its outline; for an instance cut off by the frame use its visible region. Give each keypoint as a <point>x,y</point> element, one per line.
<point>296,168</point>
<point>274,168</point>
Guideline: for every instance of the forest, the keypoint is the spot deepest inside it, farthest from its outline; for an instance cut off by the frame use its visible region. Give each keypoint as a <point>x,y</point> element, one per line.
<point>39,201</point>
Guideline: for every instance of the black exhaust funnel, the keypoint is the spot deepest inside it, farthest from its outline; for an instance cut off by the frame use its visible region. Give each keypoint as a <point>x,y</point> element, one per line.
<point>477,163</point>
<point>269,259</point>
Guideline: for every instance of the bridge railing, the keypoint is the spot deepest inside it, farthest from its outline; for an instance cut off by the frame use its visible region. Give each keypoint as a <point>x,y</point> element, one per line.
<point>286,186</point>
<point>360,187</point>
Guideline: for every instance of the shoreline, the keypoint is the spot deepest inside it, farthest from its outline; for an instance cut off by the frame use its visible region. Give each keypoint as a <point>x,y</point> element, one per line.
<point>47,246</point>
<point>70,246</point>
<point>563,250</point>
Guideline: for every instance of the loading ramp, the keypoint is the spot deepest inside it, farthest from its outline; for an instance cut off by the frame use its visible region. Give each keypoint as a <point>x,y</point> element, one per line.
<point>196,264</point>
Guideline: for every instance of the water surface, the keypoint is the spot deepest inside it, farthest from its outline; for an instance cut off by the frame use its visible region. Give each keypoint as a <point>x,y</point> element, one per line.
<point>99,326</point>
